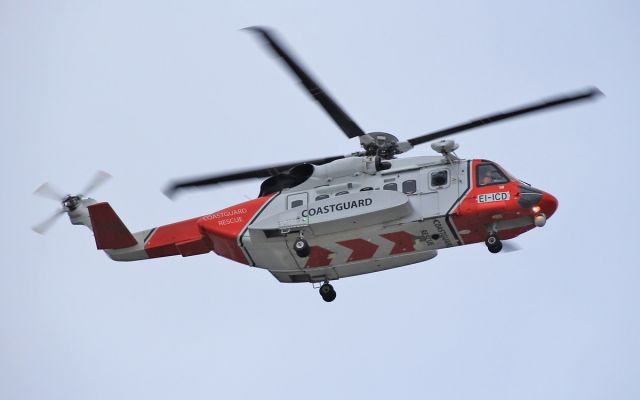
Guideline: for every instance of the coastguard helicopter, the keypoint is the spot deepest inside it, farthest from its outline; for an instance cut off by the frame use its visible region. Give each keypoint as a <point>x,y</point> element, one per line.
<point>329,218</point>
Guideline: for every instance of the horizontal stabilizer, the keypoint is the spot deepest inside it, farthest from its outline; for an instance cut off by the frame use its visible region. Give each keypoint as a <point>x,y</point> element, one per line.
<point>108,229</point>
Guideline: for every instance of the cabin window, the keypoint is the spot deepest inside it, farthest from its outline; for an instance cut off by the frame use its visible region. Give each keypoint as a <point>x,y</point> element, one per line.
<point>365,189</point>
<point>296,200</point>
<point>409,187</point>
<point>489,174</point>
<point>439,178</point>
<point>322,197</point>
<point>341,193</point>
<point>390,186</point>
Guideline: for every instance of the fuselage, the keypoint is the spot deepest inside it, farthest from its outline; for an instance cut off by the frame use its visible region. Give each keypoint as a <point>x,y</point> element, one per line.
<point>359,220</point>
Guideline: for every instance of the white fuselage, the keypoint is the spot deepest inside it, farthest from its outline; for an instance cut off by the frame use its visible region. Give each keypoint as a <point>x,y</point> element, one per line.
<point>358,222</point>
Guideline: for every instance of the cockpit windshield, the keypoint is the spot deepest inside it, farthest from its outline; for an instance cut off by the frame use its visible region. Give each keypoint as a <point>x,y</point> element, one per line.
<point>489,174</point>
<point>508,174</point>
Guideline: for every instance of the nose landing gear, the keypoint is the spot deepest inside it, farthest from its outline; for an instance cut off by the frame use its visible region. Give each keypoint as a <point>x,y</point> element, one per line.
<point>493,243</point>
<point>327,292</point>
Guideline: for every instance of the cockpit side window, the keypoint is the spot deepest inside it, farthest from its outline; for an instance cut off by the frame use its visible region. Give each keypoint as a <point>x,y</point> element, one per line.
<point>489,174</point>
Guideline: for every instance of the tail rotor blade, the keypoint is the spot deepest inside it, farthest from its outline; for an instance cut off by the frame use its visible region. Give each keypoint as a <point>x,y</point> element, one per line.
<point>98,180</point>
<point>45,225</point>
<point>48,191</point>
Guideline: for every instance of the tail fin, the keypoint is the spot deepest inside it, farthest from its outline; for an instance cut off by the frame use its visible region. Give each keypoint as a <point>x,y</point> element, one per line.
<point>108,229</point>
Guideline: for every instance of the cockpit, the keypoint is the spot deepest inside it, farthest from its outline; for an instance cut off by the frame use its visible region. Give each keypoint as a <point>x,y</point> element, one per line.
<point>490,174</point>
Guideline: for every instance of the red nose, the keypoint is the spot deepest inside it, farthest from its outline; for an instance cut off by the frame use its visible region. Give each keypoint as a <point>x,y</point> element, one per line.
<point>548,204</point>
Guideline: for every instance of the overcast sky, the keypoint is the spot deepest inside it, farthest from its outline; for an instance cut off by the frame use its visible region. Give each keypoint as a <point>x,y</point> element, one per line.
<point>150,91</point>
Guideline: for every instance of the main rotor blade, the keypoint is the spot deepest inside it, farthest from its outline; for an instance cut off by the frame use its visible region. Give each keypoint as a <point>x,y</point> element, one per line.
<point>526,109</point>
<point>339,116</point>
<point>260,172</point>
<point>98,179</point>
<point>45,225</point>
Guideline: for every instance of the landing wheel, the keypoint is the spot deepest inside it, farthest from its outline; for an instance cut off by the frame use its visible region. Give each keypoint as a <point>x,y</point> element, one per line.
<point>327,292</point>
<point>301,247</point>
<point>493,243</point>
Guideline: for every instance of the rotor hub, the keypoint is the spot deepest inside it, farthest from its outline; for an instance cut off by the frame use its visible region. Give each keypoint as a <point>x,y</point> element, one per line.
<point>70,203</point>
<point>382,144</point>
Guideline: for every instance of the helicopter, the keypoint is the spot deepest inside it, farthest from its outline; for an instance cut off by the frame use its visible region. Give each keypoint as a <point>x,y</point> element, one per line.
<point>316,221</point>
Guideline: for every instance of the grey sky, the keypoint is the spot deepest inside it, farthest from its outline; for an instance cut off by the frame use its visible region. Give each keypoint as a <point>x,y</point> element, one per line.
<point>151,91</point>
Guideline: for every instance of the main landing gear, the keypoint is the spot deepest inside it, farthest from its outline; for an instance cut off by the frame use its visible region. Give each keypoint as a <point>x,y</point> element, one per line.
<point>301,247</point>
<point>493,243</point>
<point>327,292</point>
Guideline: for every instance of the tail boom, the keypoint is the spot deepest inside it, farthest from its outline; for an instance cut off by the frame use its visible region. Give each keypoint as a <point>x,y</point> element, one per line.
<point>219,232</point>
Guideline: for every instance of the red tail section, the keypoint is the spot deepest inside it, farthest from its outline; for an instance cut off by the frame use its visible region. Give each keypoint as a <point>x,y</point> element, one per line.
<point>220,232</point>
<point>108,229</point>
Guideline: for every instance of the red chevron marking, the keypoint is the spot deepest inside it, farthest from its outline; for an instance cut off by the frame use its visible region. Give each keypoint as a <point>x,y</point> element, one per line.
<point>403,242</point>
<point>319,257</point>
<point>362,249</point>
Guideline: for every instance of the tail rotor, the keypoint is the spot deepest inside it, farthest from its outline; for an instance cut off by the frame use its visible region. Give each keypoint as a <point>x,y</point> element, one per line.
<point>68,202</point>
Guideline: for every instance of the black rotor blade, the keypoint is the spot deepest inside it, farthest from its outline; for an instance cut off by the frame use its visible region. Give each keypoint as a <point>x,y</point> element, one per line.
<point>489,119</point>
<point>339,116</point>
<point>260,172</point>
